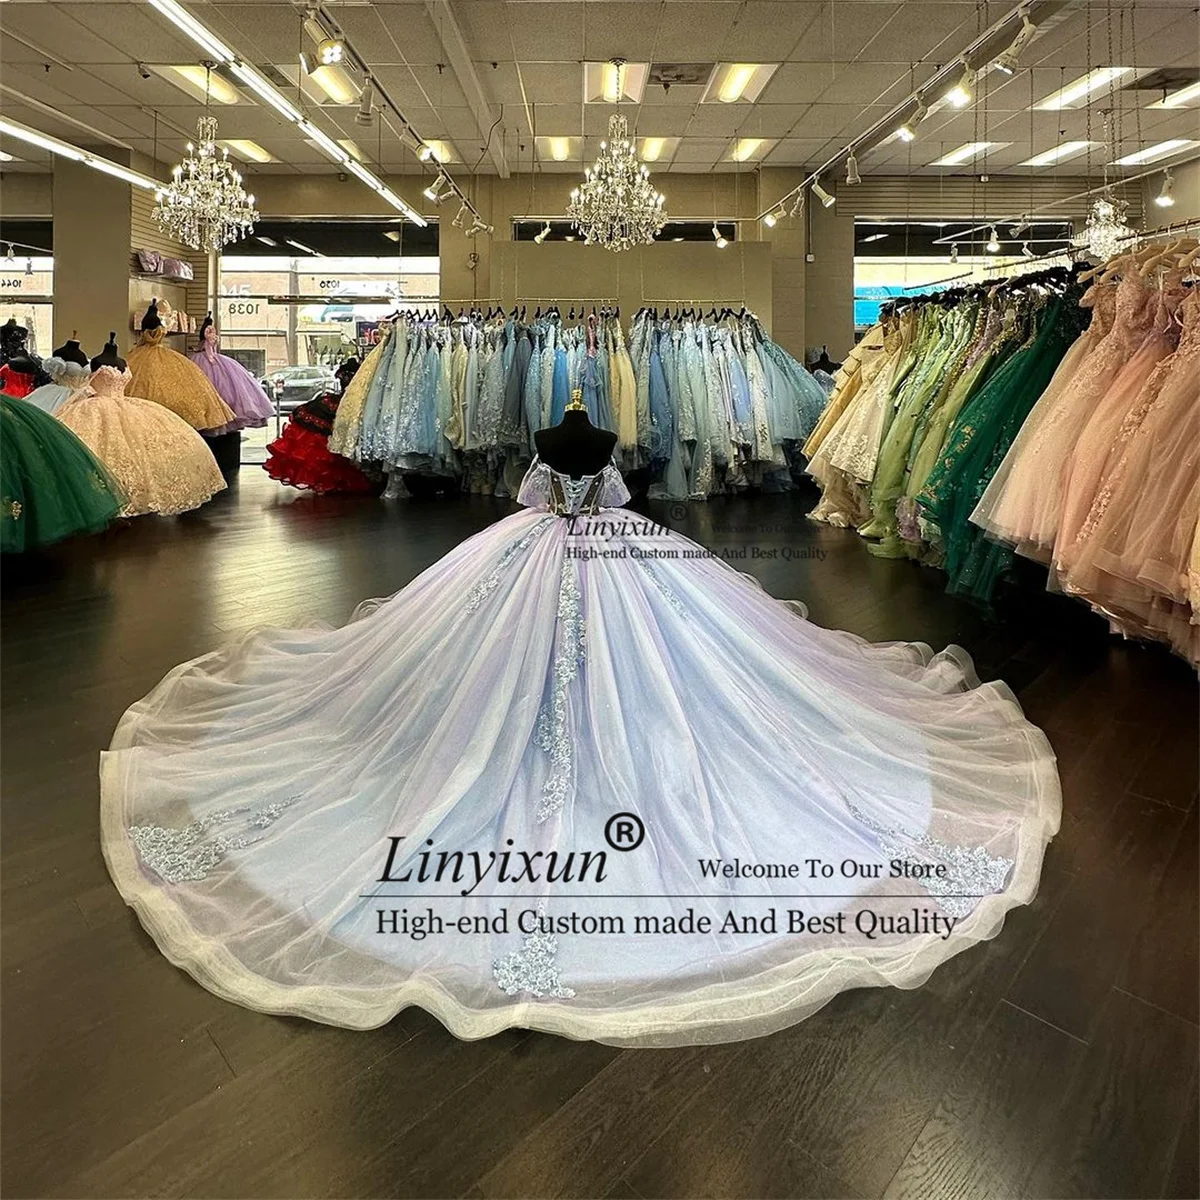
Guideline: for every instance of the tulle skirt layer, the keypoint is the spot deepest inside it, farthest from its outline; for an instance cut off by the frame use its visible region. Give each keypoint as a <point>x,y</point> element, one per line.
<point>301,458</point>
<point>51,486</point>
<point>171,379</point>
<point>161,462</point>
<point>265,808</point>
<point>239,389</point>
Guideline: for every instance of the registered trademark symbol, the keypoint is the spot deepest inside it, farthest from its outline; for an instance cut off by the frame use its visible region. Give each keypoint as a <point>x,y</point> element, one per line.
<point>624,831</point>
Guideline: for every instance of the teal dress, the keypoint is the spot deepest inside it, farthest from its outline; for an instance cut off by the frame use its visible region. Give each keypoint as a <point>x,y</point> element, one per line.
<point>979,440</point>
<point>51,485</point>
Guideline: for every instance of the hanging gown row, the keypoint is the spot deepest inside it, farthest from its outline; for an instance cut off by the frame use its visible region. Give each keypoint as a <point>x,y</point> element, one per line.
<point>1034,418</point>
<point>704,407</point>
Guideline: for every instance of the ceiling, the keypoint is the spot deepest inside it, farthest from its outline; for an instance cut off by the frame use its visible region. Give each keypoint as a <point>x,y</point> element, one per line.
<point>486,75</point>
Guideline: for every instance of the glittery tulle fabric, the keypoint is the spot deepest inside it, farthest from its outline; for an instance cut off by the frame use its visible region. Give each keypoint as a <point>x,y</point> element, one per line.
<point>567,664</point>
<point>66,378</point>
<point>162,464</point>
<point>51,486</point>
<point>237,387</point>
<point>347,428</point>
<point>171,379</point>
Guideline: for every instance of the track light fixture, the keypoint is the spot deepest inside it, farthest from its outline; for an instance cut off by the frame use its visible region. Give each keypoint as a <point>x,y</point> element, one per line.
<point>366,112</point>
<point>330,51</point>
<point>543,234</point>
<point>852,175</point>
<point>29,266</point>
<point>477,227</point>
<point>718,237</point>
<point>1021,226</point>
<point>954,252</point>
<point>1010,60</point>
<point>797,205</point>
<point>993,243</point>
<point>424,152</point>
<point>1025,250</point>
<point>1165,199</point>
<point>460,218</point>
<point>960,94</point>
<point>435,191</point>
<point>821,194</point>
<point>773,218</point>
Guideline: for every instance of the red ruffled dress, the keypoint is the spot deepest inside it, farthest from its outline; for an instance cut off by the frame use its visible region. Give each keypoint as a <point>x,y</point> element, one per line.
<point>300,456</point>
<point>15,383</point>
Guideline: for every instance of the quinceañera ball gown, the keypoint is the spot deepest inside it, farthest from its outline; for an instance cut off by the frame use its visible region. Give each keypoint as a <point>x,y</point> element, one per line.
<point>232,382</point>
<point>440,802</point>
<point>166,377</point>
<point>162,464</point>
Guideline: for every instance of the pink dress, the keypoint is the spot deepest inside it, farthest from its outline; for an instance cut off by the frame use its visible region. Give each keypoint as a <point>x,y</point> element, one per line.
<point>1133,556</point>
<point>1084,470</point>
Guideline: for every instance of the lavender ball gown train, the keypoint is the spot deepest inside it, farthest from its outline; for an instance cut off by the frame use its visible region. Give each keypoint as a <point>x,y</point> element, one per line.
<point>556,669</point>
<point>234,384</point>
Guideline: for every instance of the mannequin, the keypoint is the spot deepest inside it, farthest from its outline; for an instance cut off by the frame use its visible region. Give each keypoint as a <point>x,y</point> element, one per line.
<point>574,446</point>
<point>68,370</point>
<point>21,372</point>
<point>108,357</point>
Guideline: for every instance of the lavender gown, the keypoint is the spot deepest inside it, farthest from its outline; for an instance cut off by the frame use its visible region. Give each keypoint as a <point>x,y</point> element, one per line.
<point>236,386</point>
<point>267,808</point>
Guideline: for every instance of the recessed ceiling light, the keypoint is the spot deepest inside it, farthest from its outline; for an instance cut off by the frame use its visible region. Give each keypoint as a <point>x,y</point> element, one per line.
<point>745,149</point>
<point>392,235</point>
<point>333,80</point>
<point>352,148</point>
<point>1057,154</point>
<point>733,83</point>
<point>615,81</point>
<point>658,149</point>
<point>244,148</point>
<point>1154,153</point>
<point>873,237</point>
<point>266,241</point>
<point>1181,99</point>
<point>302,248</point>
<point>1077,92</point>
<point>558,148</point>
<point>8,157</point>
<point>192,78</point>
<point>963,154</point>
<point>443,151</point>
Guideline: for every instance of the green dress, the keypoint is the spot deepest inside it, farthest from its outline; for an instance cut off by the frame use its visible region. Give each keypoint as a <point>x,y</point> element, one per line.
<point>51,485</point>
<point>979,440</point>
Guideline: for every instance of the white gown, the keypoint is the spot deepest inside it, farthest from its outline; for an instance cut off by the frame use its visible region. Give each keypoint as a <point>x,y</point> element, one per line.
<point>266,809</point>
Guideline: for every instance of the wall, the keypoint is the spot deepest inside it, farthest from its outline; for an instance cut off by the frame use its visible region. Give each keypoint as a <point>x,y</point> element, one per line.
<point>1186,193</point>
<point>24,194</point>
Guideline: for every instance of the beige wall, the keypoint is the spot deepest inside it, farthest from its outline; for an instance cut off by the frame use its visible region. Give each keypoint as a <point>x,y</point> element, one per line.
<point>24,194</point>
<point>829,290</point>
<point>91,256</point>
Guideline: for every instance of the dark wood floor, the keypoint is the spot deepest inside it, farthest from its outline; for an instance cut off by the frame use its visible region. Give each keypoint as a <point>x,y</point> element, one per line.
<point>1058,1060</point>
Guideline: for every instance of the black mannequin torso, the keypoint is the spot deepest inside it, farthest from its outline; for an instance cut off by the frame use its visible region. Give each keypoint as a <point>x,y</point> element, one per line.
<point>574,446</point>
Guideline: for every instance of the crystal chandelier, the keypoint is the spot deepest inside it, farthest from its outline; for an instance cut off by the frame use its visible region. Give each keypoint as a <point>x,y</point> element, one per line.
<point>616,206</point>
<point>205,206</point>
<point>1105,233</point>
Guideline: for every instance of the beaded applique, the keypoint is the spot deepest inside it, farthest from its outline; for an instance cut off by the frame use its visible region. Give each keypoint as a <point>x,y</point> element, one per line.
<point>531,969</point>
<point>187,855</point>
<point>489,583</point>
<point>659,582</point>
<point>551,734</point>
<point>971,872</point>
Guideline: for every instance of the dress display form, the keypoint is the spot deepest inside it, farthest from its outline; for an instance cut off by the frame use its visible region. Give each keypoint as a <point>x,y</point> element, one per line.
<point>570,663</point>
<point>51,486</point>
<point>171,379</point>
<point>20,371</point>
<point>232,382</point>
<point>162,464</point>
<point>68,370</point>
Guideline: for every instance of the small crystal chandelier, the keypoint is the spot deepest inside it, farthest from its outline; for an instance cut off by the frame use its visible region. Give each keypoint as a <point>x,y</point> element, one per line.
<point>617,207</point>
<point>1105,233</point>
<point>205,206</point>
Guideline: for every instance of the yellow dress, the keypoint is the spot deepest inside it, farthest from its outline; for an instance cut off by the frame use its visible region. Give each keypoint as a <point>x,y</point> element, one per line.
<point>347,425</point>
<point>174,381</point>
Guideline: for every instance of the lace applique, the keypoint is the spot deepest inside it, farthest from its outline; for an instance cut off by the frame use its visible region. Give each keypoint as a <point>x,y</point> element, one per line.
<point>659,582</point>
<point>971,872</point>
<point>185,856</point>
<point>551,734</point>
<point>532,969</point>
<point>489,583</point>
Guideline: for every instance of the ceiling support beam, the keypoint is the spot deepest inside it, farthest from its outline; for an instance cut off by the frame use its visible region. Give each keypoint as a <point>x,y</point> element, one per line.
<point>458,54</point>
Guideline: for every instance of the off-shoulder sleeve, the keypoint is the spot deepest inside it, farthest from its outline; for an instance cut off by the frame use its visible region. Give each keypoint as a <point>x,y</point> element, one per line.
<point>613,492</point>
<point>535,487</point>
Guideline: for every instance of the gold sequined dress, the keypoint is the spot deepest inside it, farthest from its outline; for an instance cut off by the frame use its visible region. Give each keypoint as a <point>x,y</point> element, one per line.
<point>171,379</point>
<point>162,464</point>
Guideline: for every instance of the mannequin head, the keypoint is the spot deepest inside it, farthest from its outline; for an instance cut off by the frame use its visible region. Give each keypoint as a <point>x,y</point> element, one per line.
<point>70,351</point>
<point>108,357</point>
<point>152,320</point>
